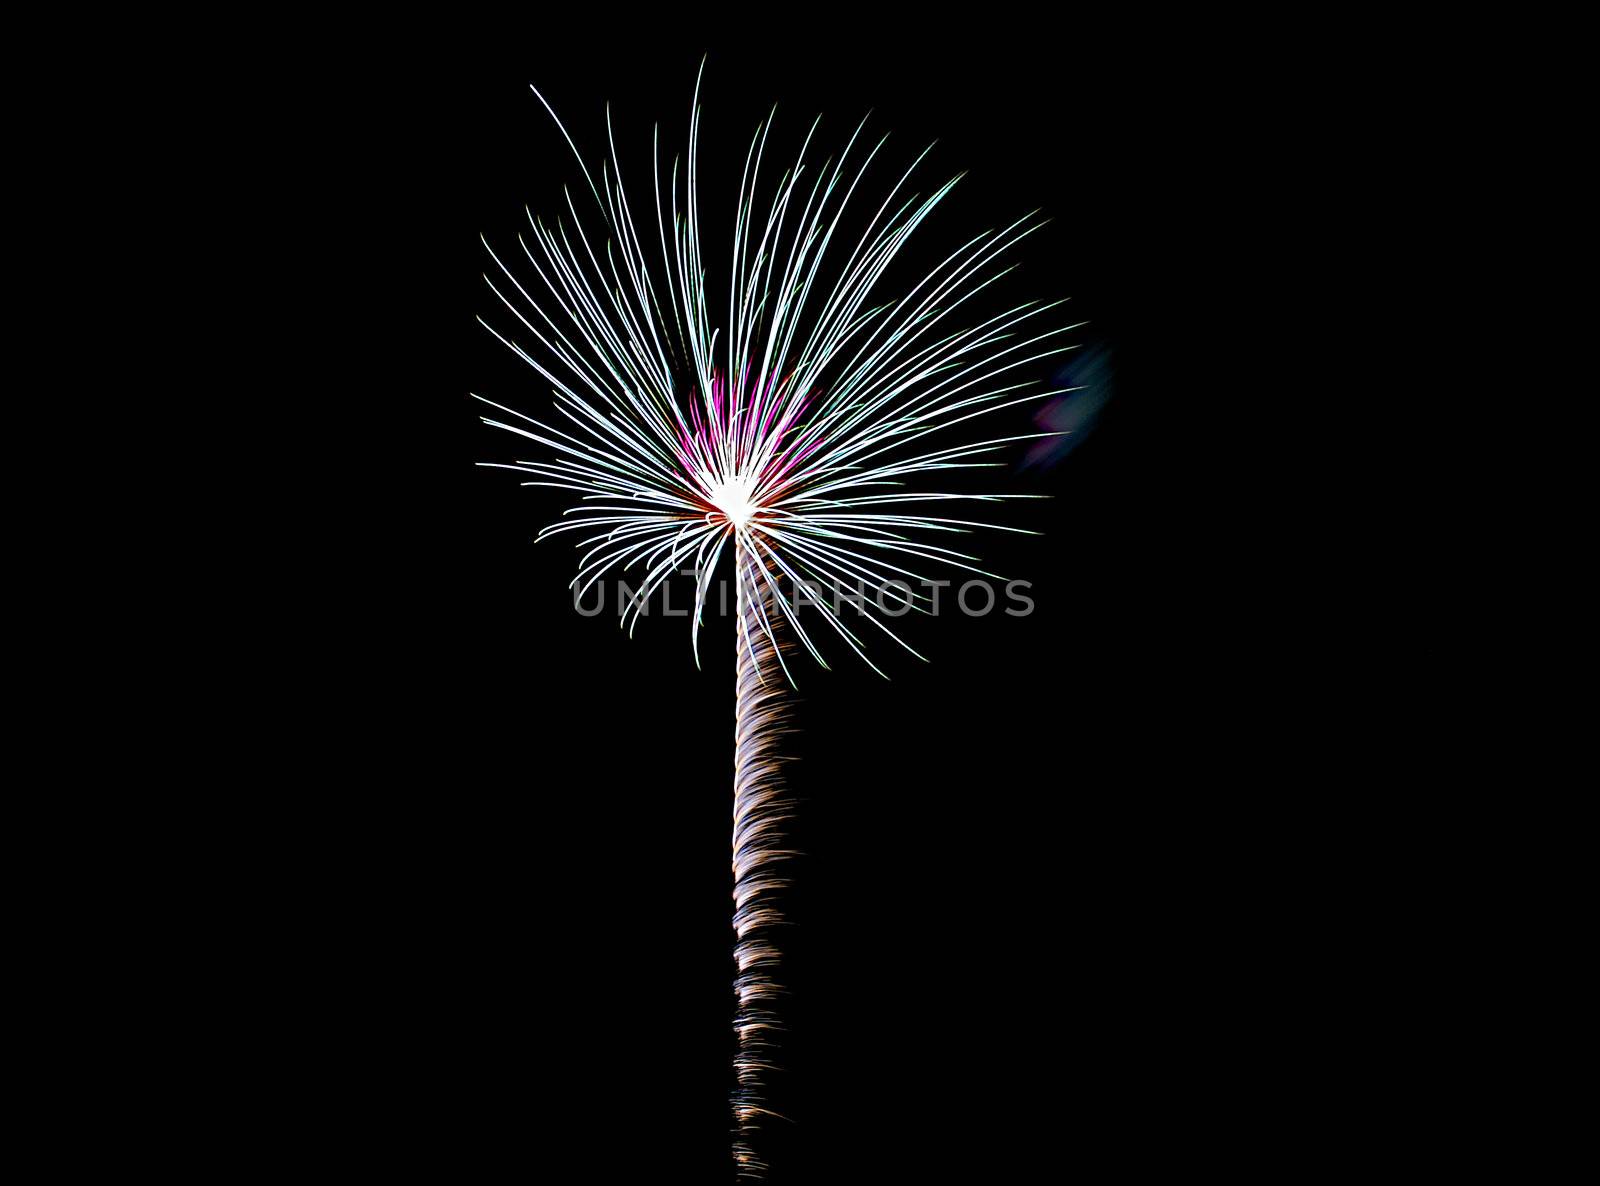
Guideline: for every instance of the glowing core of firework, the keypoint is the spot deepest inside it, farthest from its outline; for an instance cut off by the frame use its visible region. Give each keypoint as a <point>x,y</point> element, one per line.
<point>733,497</point>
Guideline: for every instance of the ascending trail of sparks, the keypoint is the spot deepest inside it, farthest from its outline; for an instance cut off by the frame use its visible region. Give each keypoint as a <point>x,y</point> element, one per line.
<point>758,814</point>
<point>789,432</point>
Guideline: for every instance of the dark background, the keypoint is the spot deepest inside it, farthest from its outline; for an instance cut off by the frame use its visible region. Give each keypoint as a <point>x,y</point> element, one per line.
<point>1020,916</point>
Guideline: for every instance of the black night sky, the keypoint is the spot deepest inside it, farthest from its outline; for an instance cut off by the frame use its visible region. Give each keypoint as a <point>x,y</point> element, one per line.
<point>1012,919</point>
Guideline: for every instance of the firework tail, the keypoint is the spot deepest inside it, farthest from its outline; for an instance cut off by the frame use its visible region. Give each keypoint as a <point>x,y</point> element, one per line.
<point>758,814</point>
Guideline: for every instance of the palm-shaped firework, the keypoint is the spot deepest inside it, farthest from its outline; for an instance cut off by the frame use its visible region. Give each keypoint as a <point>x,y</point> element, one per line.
<point>782,429</point>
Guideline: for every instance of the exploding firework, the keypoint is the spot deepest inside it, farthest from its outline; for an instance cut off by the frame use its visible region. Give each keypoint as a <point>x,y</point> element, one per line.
<point>782,429</point>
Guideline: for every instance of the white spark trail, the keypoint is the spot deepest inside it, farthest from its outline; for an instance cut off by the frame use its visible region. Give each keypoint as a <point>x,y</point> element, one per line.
<point>758,813</point>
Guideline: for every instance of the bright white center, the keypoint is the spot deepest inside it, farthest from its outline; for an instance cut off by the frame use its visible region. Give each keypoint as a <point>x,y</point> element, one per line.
<point>731,496</point>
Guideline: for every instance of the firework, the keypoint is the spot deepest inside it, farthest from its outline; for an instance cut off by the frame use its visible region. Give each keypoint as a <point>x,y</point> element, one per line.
<point>787,428</point>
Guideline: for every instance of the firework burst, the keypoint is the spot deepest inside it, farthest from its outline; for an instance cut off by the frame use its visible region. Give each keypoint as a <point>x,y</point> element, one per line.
<point>788,428</point>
